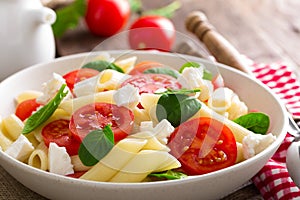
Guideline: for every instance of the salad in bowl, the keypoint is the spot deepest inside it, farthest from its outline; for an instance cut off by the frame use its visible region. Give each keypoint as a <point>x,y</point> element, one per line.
<point>137,120</point>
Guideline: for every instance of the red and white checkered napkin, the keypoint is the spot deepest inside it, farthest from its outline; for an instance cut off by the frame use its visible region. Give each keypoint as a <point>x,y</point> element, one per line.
<point>273,180</point>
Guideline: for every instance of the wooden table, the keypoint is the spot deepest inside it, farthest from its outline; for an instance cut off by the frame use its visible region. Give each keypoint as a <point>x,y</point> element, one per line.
<point>263,30</point>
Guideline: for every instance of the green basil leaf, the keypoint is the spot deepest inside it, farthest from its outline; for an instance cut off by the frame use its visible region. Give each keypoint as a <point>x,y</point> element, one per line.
<point>45,112</point>
<point>256,122</point>
<point>166,11</point>
<point>176,108</point>
<point>101,65</point>
<point>135,5</point>
<point>189,64</point>
<point>168,175</point>
<point>68,17</point>
<point>96,145</point>
<point>160,70</point>
<point>207,75</point>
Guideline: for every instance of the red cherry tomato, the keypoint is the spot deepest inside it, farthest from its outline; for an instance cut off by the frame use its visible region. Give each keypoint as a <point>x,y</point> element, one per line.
<point>78,75</point>
<point>97,115</point>
<point>203,145</point>
<point>76,174</point>
<point>25,108</point>
<point>143,66</point>
<point>59,133</point>
<point>149,83</point>
<point>106,17</point>
<point>152,32</point>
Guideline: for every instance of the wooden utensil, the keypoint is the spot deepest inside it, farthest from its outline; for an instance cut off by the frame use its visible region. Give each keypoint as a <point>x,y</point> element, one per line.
<point>218,46</point>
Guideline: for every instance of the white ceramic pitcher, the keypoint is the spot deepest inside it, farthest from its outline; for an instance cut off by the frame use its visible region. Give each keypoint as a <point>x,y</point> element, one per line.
<point>26,36</point>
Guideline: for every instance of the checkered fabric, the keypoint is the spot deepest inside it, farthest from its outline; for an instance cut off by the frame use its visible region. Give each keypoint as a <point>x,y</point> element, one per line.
<point>273,180</point>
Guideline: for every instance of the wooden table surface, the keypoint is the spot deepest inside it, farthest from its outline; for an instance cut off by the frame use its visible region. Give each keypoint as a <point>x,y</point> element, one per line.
<point>264,30</point>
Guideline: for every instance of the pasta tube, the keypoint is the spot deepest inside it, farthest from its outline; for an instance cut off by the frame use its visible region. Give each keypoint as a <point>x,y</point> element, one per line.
<point>126,64</point>
<point>115,160</point>
<point>29,94</point>
<point>13,126</point>
<point>71,105</point>
<point>145,162</point>
<point>5,142</point>
<point>39,157</point>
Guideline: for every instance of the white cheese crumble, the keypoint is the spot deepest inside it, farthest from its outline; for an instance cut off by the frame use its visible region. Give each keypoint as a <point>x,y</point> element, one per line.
<point>127,96</point>
<point>20,149</point>
<point>255,143</point>
<point>59,160</point>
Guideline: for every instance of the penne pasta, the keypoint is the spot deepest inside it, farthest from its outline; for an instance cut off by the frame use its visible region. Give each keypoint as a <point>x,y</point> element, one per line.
<point>115,160</point>
<point>5,142</point>
<point>152,142</point>
<point>39,157</point>
<point>145,162</point>
<point>126,64</point>
<point>110,80</point>
<point>26,95</point>
<point>73,104</point>
<point>12,126</point>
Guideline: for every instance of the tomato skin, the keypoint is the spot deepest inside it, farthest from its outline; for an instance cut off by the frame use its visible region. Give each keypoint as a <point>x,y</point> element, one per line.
<point>152,32</point>
<point>26,108</point>
<point>149,83</point>
<point>106,17</point>
<point>97,115</point>
<point>143,66</point>
<point>78,75</point>
<point>198,157</point>
<point>76,174</point>
<point>59,133</point>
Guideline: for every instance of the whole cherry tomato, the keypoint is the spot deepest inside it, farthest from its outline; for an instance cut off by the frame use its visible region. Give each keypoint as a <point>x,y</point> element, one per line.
<point>106,17</point>
<point>152,32</point>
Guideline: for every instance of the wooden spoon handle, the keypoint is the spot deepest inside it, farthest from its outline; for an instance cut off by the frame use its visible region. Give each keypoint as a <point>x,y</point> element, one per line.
<point>219,47</point>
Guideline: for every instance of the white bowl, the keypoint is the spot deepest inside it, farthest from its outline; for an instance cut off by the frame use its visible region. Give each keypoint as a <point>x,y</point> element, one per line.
<point>209,186</point>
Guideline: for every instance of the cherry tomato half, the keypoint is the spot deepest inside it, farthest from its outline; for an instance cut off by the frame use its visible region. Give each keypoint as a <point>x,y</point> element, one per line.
<point>152,32</point>
<point>59,133</point>
<point>149,83</point>
<point>106,17</point>
<point>78,75</point>
<point>97,115</point>
<point>26,108</point>
<point>143,66</point>
<point>203,145</point>
<point>76,174</point>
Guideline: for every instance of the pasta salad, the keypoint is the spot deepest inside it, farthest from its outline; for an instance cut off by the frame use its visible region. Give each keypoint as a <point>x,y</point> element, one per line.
<point>116,120</point>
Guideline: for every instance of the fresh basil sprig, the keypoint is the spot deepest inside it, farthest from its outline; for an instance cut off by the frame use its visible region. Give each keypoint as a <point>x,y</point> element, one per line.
<point>96,145</point>
<point>256,122</point>
<point>160,70</point>
<point>45,112</point>
<point>168,175</point>
<point>177,106</point>
<point>101,65</point>
<point>68,17</point>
